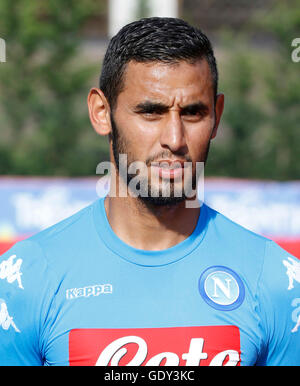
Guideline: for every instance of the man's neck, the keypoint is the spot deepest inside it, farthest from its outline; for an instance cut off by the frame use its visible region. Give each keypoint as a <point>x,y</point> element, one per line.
<point>150,227</point>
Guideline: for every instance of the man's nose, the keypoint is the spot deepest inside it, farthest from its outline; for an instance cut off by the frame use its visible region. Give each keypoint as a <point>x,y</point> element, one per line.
<point>173,134</point>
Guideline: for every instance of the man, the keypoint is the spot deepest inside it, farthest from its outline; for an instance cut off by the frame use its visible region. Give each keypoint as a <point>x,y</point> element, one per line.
<point>145,276</point>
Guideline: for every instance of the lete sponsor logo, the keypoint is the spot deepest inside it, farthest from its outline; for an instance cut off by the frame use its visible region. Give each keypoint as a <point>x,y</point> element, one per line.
<point>6,321</point>
<point>176,346</point>
<point>293,274</point>
<point>10,270</point>
<point>292,271</point>
<point>296,314</point>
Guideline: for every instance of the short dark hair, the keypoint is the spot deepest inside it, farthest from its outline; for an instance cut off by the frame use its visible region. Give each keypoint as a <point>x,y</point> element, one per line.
<point>167,40</point>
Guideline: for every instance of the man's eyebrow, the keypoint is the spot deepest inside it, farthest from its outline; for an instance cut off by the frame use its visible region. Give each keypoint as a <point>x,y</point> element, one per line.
<point>198,107</point>
<point>151,107</point>
<point>160,108</point>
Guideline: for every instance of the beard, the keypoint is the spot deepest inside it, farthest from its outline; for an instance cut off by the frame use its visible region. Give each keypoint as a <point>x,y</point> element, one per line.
<point>150,195</point>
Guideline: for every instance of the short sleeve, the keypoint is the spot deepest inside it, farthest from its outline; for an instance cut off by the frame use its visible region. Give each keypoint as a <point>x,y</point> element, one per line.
<point>26,293</point>
<point>279,307</point>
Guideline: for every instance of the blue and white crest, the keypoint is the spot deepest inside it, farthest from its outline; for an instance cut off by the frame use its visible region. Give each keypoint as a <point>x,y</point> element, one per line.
<point>221,288</point>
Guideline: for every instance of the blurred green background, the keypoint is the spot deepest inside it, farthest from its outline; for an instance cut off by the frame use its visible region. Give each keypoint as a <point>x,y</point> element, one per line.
<point>54,52</point>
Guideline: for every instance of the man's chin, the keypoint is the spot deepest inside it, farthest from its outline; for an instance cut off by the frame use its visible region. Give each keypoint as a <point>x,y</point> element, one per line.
<point>161,201</point>
<point>159,196</point>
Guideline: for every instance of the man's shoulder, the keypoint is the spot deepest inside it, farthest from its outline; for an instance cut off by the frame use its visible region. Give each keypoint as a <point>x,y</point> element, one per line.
<point>52,247</point>
<point>230,230</point>
<point>270,266</point>
<point>65,228</point>
<point>242,236</point>
<point>254,254</point>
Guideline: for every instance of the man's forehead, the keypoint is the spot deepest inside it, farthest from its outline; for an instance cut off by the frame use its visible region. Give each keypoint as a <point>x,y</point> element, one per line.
<point>157,79</point>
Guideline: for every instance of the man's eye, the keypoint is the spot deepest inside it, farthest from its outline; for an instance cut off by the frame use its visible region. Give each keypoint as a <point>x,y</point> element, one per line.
<point>152,112</point>
<point>151,116</point>
<point>193,113</point>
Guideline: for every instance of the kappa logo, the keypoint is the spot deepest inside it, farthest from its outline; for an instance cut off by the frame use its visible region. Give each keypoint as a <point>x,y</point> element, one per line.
<point>293,271</point>
<point>11,271</point>
<point>296,314</point>
<point>86,292</point>
<point>221,288</point>
<point>5,320</point>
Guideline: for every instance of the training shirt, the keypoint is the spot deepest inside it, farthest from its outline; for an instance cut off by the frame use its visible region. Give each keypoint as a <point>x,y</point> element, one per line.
<point>75,294</point>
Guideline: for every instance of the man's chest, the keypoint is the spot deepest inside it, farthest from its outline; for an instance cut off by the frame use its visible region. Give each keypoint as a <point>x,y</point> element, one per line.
<point>160,323</point>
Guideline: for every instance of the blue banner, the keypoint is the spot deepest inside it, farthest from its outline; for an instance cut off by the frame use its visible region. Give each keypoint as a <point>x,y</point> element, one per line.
<point>28,205</point>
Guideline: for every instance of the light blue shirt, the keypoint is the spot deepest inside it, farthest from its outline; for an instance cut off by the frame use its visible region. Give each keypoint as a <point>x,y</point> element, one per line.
<point>75,294</point>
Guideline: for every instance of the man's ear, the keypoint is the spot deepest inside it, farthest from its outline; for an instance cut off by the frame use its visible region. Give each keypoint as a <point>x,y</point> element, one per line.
<point>99,111</point>
<point>219,107</point>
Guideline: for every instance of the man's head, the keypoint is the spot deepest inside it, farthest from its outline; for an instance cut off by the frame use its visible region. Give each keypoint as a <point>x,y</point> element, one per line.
<point>158,102</point>
<point>164,40</point>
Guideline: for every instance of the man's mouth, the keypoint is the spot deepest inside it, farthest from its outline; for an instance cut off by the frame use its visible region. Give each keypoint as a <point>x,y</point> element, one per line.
<point>170,169</point>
